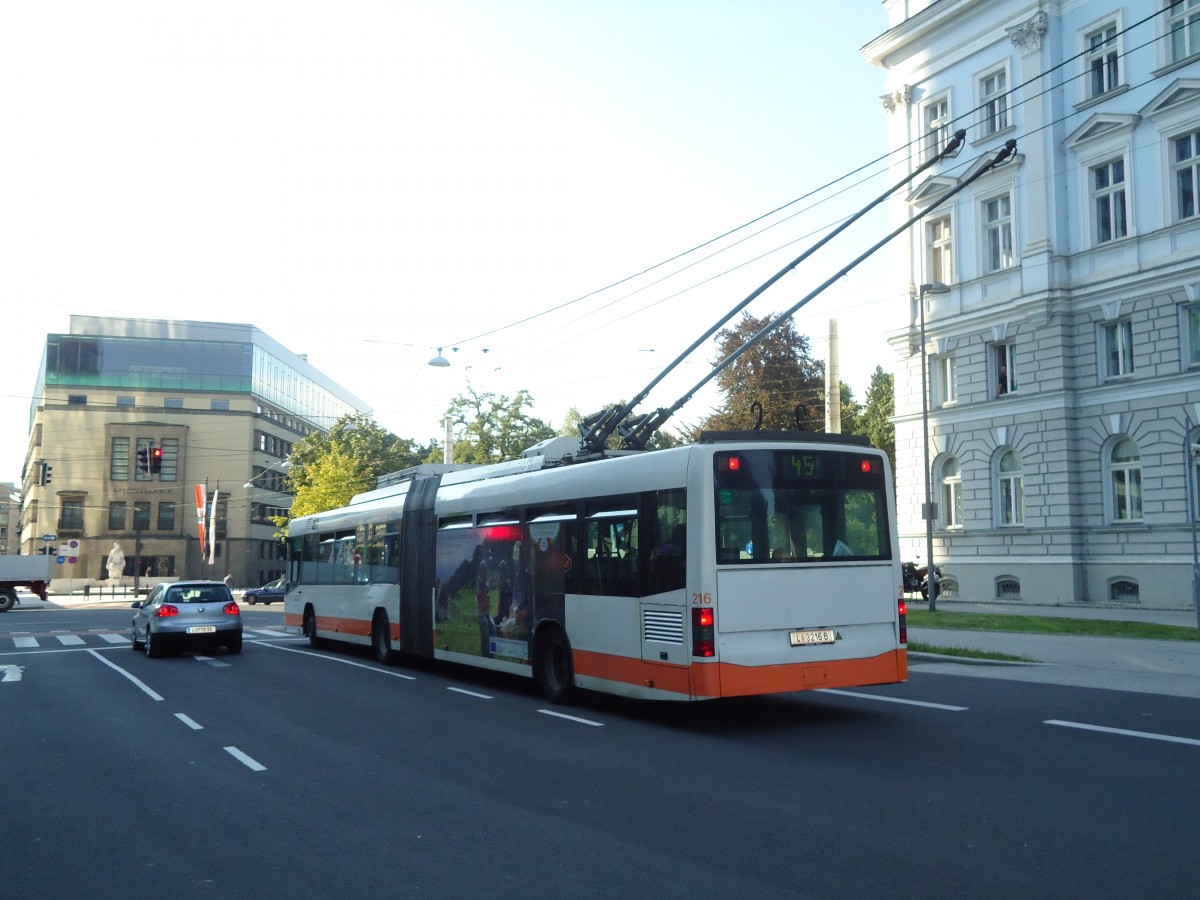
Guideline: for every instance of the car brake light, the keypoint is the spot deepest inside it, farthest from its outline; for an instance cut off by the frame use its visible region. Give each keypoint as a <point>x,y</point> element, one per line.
<point>703,631</point>
<point>167,610</point>
<point>231,608</point>
<point>903,610</point>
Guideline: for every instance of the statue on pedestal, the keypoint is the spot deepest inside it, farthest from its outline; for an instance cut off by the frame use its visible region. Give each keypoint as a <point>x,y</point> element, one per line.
<point>116,562</point>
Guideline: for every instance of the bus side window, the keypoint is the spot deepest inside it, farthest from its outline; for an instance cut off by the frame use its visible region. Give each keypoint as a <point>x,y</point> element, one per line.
<point>668,555</point>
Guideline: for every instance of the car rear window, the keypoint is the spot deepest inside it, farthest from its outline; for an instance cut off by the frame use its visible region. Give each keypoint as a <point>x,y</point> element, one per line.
<point>199,595</point>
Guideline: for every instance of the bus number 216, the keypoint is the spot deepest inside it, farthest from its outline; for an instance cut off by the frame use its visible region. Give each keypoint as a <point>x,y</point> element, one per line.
<point>701,599</point>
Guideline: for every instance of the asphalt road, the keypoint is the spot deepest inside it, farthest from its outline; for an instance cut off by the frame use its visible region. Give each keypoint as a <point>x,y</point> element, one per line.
<point>283,772</point>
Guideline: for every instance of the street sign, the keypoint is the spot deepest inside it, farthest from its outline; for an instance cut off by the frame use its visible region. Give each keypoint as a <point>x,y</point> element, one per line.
<point>49,537</point>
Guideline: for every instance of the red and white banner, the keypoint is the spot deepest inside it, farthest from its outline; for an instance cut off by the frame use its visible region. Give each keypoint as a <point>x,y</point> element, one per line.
<point>200,504</point>
<point>212,529</point>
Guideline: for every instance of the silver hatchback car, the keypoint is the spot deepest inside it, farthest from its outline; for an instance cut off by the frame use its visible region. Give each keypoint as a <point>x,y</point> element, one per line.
<point>187,612</point>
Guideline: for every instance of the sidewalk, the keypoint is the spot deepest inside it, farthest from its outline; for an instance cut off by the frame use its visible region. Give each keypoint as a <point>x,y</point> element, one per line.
<point>1124,664</point>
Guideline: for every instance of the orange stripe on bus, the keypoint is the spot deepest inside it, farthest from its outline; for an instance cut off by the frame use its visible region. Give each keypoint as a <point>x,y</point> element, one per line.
<point>717,679</point>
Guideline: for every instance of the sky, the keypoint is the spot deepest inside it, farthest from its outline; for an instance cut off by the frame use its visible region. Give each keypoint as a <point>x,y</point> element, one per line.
<point>368,182</point>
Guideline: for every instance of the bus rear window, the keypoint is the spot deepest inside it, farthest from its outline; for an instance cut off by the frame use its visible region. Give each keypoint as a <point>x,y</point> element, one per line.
<point>790,506</point>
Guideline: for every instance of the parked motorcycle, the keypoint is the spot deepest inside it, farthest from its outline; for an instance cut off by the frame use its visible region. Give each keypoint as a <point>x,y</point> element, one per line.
<point>915,578</point>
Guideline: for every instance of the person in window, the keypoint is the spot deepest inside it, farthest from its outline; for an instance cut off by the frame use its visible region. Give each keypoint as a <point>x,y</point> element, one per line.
<point>1002,382</point>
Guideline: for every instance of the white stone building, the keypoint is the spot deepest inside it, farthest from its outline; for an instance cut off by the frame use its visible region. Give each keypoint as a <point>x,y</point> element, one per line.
<point>1064,361</point>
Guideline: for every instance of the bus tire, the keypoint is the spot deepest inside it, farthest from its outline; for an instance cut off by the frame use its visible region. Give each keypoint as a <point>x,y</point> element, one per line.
<point>381,638</point>
<point>310,628</point>
<point>555,668</point>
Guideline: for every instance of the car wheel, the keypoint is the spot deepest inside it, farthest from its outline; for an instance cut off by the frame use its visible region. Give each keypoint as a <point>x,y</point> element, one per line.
<point>8,599</point>
<point>555,668</point>
<point>250,600</point>
<point>381,640</point>
<point>153,648</point>
<point>234,644</point>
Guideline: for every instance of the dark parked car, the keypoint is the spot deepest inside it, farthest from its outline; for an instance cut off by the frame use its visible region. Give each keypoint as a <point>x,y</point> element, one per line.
<point>268,593</point>
<point>184,613</point>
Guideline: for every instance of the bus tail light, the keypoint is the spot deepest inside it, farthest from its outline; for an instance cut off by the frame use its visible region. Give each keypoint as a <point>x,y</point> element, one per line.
<point>704,631</point>
<point>903,609</point>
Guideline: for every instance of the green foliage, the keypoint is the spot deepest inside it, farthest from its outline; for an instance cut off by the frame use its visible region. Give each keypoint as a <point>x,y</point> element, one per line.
<point>496,427</point>
<point>328,469</point>
<point>851,411</point>
<point>777,372</point>
<point>876,418</point>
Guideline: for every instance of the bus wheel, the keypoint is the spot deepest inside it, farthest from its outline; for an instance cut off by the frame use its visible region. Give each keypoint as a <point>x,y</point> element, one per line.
<point>381,640</point>
<point>310,628</point>
<point>555,671</point>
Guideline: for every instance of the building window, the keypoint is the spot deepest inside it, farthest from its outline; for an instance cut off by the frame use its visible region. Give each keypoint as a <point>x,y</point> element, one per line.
<point>1008,588</point>
<point>173,403</point>
<point>941,250</point>
<point>951,494</point>
<point>1125,473</point>
<point>1108,201</point>
<point>1183,25</point>
<point>998,233</point>
<point>1192,314</point>
<point>1195,486</point>
<point>220,404</point>
<point>76,399</point>
<point>993,103</point>
<point>169,465</point>
<point>1124,590</point>
<point>1004,363</point>
<point>935,125</point>
<point>1101,57</point>
<point>116,515</point>
<point>1118,348</point>
<point>166,516</point>
<point>1187,154</point>
<point>945,380</point>
<point>141,515</point>
<point>126,401</point>
<point>118,460</point>
<point>71,516</point>
<point>1012,490</point>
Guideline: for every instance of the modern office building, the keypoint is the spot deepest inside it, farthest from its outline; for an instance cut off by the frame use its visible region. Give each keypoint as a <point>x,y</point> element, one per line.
<point>1063,361</point>
<point>130,415</point>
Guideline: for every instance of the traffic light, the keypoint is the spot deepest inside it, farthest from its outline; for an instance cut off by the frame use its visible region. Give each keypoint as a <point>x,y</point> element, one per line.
<point>156,459</point>
<point>46,470</point>
<point>144,460</point>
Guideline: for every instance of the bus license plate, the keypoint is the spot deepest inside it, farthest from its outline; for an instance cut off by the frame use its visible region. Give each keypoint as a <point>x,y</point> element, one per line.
<point>201,629</point>
<point>815,636</point>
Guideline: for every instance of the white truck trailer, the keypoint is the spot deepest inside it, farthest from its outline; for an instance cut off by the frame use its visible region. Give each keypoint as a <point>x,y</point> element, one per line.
<point>31,572</point>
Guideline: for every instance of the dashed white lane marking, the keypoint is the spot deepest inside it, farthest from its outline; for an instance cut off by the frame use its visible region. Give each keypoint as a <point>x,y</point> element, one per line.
<point>470,693</point>
<point>1125,732</point>
<point>189,722</point>
<point>924,703</point>
<point>245,760</point>
<point>558,715</point>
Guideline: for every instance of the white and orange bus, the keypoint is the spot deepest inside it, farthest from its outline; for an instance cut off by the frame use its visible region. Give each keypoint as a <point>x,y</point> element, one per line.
<point>746,563</point>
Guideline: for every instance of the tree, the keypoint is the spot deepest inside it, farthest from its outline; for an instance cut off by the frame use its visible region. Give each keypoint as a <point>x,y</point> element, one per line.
<point>851,411</point>
<point>327,469</point>
<point>876,419</point>
<point>778,372</point>
<point>496,427</point>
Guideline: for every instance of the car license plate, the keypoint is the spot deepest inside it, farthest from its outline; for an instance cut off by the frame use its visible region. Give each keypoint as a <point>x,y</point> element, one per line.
<point>813,636</point>
<point>201,629</point>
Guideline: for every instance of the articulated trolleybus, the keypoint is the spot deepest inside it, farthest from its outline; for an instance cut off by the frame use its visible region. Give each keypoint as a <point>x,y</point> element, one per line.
<point>746,563</point>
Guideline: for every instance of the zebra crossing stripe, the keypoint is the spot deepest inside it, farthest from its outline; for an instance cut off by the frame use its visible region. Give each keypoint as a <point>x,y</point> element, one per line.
<point>115,638</point>
<point>25,642</point>
<point>70,640</point>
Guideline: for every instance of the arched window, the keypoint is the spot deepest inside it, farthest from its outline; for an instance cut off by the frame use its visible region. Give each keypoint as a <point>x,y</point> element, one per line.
<point>1012,489</point>
<point>1008,588</point>
<point>1125,473</point>
<point>951,494</point>
<point>1125,590</point>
